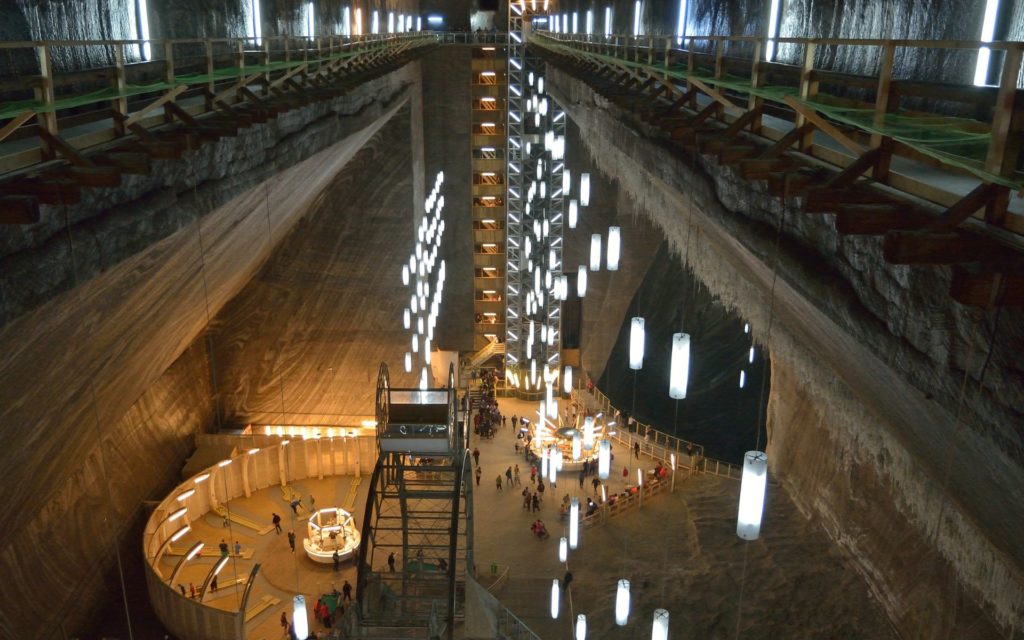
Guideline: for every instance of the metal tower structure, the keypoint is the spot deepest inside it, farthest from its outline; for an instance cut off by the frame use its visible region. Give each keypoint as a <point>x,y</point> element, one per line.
<point>536,148</point>
<point>417,527</point>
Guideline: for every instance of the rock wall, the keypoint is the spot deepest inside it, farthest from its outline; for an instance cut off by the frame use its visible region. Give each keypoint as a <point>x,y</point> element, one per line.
<point>144,291</point>
<point>880,351</point>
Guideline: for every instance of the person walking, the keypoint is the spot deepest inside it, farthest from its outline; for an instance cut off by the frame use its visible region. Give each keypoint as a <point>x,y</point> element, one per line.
<point>536,503</point>
<point>223,546</point>
<point>277,522</point>
<point>213,584</point>
<point>312,503</point>
<point>478,474</point>
<point>636,449</point>
<point>567,580</point>
<point>182,588</point>
<point>533,474</point>
<point>582,478</point>
<point>337,559</point>
<point>597,486</point>
<point>516,475</point>
<point>295,504</point>
<point>497,482</point>
<point>346,592</point>
<point>238,549</point>
<point>476,456</point>
<point>526,498</point>
<point>192,590</point>
<point>508,476</point>
<point>291,540</point>
<point>284,623</point>
<point>540,489</point>
<point>391,562</point>
<point>625,474</point>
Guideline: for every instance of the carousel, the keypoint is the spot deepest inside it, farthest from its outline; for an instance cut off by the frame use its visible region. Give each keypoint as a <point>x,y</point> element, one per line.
<point>569,445</point>
<point>329,530</point>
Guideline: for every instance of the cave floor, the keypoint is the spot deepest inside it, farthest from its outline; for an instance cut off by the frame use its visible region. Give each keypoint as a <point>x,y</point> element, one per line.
<point>680,552</point>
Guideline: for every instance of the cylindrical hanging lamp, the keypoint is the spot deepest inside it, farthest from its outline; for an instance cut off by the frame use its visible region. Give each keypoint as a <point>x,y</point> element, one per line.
<point>563,549</point>
<point>595,252</point>
<point>659,630</point>
<point>585,189</point>
<point>622,603</point>
<point>604,454</point>
<point>614,247</point>
<point>574,213</point>
<point>636,343</point>
<point>567,379</point>
<point>300,623</point>
<point>679,375</point>
<point>574,523</point>
<point>577,447</point>
<point>581,627</point>
<point>554,599</point>
<point>752,488</point>
<point>581,281</point>
<point>588,433</point>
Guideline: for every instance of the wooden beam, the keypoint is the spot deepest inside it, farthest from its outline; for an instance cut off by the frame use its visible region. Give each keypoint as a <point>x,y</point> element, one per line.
<point>16,122</point>
<point>853,171</point>
<point>786,141</point>
<point>128,162</point>
<point>145,111</point>
<point>878,219</point>
<point>45,191</point>
<point>831,199</point>
<point>717,97</point>
<point>810,115</point>
<point>986,289</point>
<point>964,208</point>
<point>925,248</point>
<point>68,152</point>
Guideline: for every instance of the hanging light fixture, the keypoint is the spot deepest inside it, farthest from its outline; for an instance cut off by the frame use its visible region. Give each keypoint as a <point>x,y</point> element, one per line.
<point>300,623</point>
<point>679,374</point>
<point>566,181</point>
<point>543,456</point>
<point>622,603</point>
<point>585,189</point>
<point>408,362</point>
<point>553,466</point>
<point>752,488</point>
<point>604,455</point>
<point>577,447</point>
<point>563,549</point>
<point>743,378</point>
<point>581,281</point>
<point>567,379</point>
<point>636,344</point>
<point>581,627</point>
<point>574,213</point>
<point>574,523</point>
<point>588,433</point>
<point>614,247</point>
<point>554,599</point>
<point>595,252</point>
<point>659,630</point>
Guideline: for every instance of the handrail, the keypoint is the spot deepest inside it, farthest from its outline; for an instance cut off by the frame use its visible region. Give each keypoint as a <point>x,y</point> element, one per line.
<point>657,444</point>
<point>956,144</point>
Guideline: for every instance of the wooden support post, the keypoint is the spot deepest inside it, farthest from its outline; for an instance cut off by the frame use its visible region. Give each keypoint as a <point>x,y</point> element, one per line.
<point>266,63</point>
<point>755,103</point>
<point>168,72</point>
<point>119,104</point>
<point>668,58</point>
<point>650,50</point>
<point>1004,145</point>
<point>808,89</point>
<point>208,52</point>
<point>882,107</point>
<point>691,68</point>
<point>44,94</point>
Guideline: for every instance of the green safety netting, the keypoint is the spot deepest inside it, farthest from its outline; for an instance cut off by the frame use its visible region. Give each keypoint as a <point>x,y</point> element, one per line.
<point>960,142</point>
<point>14,108</point>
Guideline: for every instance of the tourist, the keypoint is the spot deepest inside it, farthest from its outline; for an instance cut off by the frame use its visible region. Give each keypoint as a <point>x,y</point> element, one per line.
<point>192,590</point>
<point>526,498</point>
<point>497,482</point>
<point>636,449</point>
<point>567,580</point>
<point>223,546</point>
<point>182,588</point>
<point>476,456</point>
<point>295,504</point>
<point>597,486</point>
<point>582,478</point>
<point>625,474</point>
<point>284,622</point>
<point>508,476</point>
<point>391,562</point>
<point>478,474</point>
<point>291,540</point>
<point>277,522</point>
<point>346,591</point>
<point>536,503</point>
<point>213,584</point>
<point>238,548</point>
<point>540,487</point>
<point>533,474</point>
<point>337,559</point>
<point>325,614</point>
<point>312,502</point>
<point>516,475</point>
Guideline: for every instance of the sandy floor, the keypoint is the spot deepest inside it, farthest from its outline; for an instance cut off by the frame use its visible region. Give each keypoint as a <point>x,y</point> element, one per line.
<point>681,553</point>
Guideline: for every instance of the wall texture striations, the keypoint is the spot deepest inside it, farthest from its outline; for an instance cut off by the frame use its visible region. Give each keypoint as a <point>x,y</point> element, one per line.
<point>882,353</point>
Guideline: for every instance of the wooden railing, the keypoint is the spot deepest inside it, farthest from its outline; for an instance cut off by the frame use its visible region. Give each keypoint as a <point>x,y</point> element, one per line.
<point>744,87</point>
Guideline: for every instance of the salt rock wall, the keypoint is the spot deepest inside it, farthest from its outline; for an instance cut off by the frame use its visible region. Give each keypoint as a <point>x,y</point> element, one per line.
<point>883,343</point>
<point>84,357</point>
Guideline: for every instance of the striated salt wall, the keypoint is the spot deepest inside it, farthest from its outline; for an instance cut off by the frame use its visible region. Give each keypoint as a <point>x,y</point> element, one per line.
<point>868,363</point>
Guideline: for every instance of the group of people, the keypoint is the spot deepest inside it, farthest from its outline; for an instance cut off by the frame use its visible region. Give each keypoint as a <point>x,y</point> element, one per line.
<point>487,418</point>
